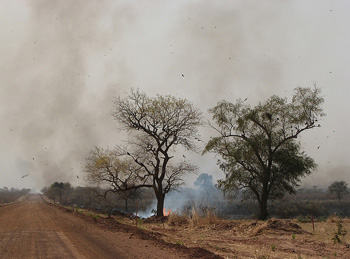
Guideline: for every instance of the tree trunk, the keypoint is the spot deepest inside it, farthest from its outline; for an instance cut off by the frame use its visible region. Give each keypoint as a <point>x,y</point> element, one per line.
<point>160,204</point>
<point>263,208</point>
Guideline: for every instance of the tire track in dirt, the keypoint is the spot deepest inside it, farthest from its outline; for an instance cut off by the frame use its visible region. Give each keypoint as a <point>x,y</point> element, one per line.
<point>34,229</point>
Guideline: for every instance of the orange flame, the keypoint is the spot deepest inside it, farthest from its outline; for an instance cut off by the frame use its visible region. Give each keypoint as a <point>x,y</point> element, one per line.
<point>165,213</point>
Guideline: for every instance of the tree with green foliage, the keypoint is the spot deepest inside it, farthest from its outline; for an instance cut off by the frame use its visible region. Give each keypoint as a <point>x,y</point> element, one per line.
<point>114,173</point>
<point>57,189</point>
<point>339,189</point>
<point>258,146</point>
<point>156,126</point>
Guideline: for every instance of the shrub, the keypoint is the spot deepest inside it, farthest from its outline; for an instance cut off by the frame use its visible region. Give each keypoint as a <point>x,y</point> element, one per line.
<point>207,220</point>
<point>339,233</point>
<point>175,219</point>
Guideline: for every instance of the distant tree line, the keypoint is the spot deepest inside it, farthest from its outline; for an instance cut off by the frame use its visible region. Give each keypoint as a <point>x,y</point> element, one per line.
<point>10,195</point>
<point>204,197</point>
<point>87,197</point>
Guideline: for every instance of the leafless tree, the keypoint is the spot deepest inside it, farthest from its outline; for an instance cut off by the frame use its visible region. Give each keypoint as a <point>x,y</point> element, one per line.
<point>155,127</point>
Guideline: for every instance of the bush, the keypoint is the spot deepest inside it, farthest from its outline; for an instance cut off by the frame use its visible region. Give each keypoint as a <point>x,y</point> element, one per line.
<point>339,233</point>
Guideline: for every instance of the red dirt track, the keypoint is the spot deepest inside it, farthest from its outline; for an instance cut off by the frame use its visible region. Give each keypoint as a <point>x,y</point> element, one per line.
<point>35,229</point>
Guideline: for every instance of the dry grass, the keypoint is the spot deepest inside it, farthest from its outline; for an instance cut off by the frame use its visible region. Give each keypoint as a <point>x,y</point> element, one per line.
<point>324,231</point>
<point>194,219</point>
<point>206,221</point>
<point>176,219</point>
<point>251,238</point>
<point>255,239</point>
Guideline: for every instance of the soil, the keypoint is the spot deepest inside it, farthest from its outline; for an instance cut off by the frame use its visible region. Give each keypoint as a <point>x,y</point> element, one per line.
<point>36,229</point>
<point>274,238</point>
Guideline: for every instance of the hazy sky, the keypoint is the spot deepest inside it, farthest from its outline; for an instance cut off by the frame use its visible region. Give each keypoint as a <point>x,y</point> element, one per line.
<point>62,62</point>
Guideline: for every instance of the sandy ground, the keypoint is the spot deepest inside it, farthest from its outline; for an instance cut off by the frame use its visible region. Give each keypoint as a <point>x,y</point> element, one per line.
<point>35,229</point>
<point>259,239</point>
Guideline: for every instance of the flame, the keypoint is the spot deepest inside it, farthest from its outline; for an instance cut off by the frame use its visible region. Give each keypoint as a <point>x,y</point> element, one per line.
<point>165,213</point>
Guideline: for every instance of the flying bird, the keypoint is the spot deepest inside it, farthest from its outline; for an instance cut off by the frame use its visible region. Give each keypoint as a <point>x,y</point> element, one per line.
<point>25,175</point>
<point>183,75</point>
<point>268,115</point>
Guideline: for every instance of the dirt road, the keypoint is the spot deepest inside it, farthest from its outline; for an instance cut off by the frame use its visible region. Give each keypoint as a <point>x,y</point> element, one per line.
<point>35,229</point>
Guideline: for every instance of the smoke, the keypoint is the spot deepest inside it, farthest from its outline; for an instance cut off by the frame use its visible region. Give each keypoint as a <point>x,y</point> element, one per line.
<point>63,61</point>
<point>54,104</point>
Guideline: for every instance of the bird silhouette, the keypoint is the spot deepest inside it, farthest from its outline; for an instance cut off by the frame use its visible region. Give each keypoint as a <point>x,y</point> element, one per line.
<point>268,115</point>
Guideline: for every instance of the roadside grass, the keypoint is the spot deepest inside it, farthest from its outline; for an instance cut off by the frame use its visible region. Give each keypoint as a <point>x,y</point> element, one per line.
<point>208,231</point>
<point>208,220</point>
<point>325,230</point>
<point>193,219</point>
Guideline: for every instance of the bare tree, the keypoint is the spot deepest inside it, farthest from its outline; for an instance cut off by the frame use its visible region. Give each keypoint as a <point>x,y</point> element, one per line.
<point>114,173</point>
<point>155,126</point>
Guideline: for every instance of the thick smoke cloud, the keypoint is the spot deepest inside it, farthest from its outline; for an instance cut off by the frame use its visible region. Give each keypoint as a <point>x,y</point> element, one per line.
<point>63,61</point>
<point>53,104</point>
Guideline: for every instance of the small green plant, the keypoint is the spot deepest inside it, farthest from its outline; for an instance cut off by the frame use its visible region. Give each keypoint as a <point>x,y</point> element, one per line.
<point>217,248</point>
<point>179,242</point>
<point>273,248</point>
<point>203,236</point>
<point>339,233</point>
<point>93,215</point>
<point>293,237</point>
<point>140,223</point>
